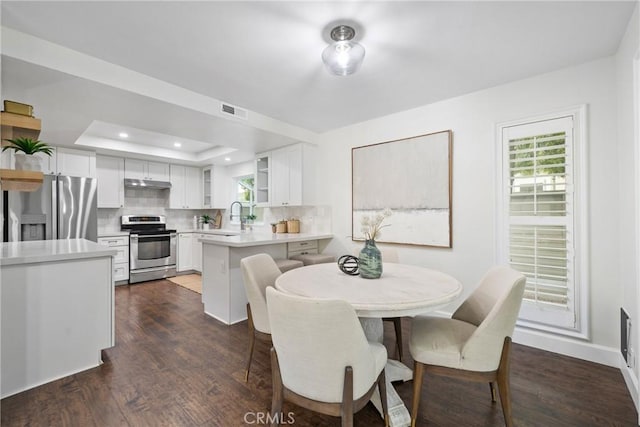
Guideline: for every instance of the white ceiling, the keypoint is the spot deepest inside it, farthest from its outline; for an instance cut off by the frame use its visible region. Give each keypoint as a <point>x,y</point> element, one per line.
<point>265,57</point>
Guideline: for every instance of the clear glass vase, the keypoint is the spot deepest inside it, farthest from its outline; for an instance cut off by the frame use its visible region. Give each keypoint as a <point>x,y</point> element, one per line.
<point>370,261</point>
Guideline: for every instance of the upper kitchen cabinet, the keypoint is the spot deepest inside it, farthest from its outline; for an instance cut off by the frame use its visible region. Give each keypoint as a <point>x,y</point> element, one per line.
<point>110,182</point>
<point>215,188</point>
<point>185,190</point>
<point>289,175</point>
<point>142,169</point>
<point>263,180</point>
<point>63,161</point>
<point>73,162</point>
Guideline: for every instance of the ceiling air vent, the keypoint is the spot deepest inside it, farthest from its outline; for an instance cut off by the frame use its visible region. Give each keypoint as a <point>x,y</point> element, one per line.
<point>236,112</point>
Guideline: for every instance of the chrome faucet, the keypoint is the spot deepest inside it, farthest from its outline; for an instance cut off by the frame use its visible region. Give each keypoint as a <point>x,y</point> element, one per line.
<point>243,221</point>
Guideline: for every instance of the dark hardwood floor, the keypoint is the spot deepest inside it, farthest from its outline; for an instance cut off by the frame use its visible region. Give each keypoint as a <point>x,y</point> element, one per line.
<point>174,366</point>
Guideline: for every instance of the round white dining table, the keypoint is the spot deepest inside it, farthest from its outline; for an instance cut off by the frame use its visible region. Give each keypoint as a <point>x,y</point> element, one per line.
<point>402,290</point>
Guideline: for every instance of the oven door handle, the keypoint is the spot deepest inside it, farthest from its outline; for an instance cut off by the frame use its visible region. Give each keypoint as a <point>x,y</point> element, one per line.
<point>144,236</point>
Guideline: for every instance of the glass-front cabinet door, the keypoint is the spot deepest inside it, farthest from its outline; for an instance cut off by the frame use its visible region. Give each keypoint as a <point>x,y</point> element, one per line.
<point>206,188</point>
<point>263,180</point>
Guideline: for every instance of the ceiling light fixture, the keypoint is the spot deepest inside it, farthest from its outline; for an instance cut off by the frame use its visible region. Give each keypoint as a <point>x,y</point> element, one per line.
<point>177,144</point>
<point>123,135</point>
<point>227,159</point>
<point>344,56</point>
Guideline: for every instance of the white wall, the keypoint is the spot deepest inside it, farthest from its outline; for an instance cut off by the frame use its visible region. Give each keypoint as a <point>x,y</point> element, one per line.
<point>629,179</point>
<point>473,119</point>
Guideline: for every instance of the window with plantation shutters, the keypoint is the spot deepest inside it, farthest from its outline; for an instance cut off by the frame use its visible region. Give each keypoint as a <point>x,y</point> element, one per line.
<point>539,216</point>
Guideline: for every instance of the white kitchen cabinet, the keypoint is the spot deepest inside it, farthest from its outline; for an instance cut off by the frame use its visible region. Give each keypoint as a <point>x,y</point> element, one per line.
<point>216,188</point>
<point>263,180</point>
<point>192,190</point>
<point>48,163</point>
<point>110,181</point>
<point>185,252</point>
<point>207,187</point>
<point>286,176</point>
<point>142,169</point>
<point>63,161</point>
<point>72,162</point>
<point>302,248</point>
<point>185,190</point>
<point>57,316</point>
<point>121,261</point>
<point>197,251</point>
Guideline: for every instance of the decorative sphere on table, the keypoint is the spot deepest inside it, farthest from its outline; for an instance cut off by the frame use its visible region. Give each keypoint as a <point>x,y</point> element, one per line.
<point>348,264</point>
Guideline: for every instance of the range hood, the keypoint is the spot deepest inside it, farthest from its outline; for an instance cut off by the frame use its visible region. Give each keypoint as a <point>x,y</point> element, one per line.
<point>146,183</point>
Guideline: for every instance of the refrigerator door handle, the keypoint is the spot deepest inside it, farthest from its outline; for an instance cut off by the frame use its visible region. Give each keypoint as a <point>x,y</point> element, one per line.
<point>54,209</point>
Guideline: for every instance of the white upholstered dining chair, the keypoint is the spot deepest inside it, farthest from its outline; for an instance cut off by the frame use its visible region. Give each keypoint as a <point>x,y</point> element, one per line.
<point>258,272</point>
<point>321,358</point>
<point>475,343</point>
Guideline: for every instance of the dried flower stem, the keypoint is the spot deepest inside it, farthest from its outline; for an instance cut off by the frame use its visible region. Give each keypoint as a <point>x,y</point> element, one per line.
<point>371,225</point>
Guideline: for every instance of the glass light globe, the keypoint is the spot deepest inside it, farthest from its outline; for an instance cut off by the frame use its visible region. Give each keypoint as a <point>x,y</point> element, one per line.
<point>343,57</point>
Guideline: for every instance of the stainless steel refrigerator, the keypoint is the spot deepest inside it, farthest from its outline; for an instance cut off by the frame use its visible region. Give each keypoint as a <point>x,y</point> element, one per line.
<point>64,207</point>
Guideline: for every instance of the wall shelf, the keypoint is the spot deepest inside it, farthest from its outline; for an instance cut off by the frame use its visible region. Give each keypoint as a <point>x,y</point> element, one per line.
<point>20,180</point>
<point>17,125</point>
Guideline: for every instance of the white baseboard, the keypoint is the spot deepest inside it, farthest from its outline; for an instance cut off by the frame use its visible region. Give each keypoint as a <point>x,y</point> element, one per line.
<point>631,381</point>
<point>568,347</point>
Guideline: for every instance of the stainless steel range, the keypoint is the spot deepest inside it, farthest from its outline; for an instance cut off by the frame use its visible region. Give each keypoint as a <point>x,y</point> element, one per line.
<point>152,247</point>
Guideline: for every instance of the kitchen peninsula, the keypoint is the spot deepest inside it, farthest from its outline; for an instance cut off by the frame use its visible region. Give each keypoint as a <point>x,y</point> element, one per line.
<point>223,292</point>
<point>57,300</point>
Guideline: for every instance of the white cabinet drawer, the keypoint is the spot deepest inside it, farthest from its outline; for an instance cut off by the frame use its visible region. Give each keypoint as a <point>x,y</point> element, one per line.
<point>122,254</point>
<point>121,271</point>
<point>302,248</point>
<point>114,241</point>
<point>121,258</point>
<point>299,246</point>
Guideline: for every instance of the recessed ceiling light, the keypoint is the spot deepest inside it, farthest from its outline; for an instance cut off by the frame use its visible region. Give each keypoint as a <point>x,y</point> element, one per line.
<point>227,159</point>
<point>177,144</point>
<point>123,135</point>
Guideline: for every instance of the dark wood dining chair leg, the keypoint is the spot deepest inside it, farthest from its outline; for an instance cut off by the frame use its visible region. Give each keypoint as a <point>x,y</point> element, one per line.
<point>278,391</point>
<point>347,398</point>
<point>503,382</point>
<point>418,373</point>
<point>252,342</point>
<point>382,390</point>
<point>397,324</point>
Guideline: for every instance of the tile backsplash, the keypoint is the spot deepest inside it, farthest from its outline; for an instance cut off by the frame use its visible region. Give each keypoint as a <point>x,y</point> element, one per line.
<point>313,219</point>
<point>147,202</point>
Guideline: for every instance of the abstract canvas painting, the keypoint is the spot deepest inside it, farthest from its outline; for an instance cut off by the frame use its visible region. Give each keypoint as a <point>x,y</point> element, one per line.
<point>412,178</point>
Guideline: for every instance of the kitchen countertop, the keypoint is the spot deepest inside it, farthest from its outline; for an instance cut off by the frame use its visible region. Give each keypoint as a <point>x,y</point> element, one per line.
<point>113,234</point>
<point>210,230</point>
<point>248,239</point>
<point>39,251</point>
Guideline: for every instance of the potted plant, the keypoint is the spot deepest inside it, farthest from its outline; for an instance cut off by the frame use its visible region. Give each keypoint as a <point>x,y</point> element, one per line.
<point>251,218</point>
<point>206,221</point>
<point>25,150</point>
